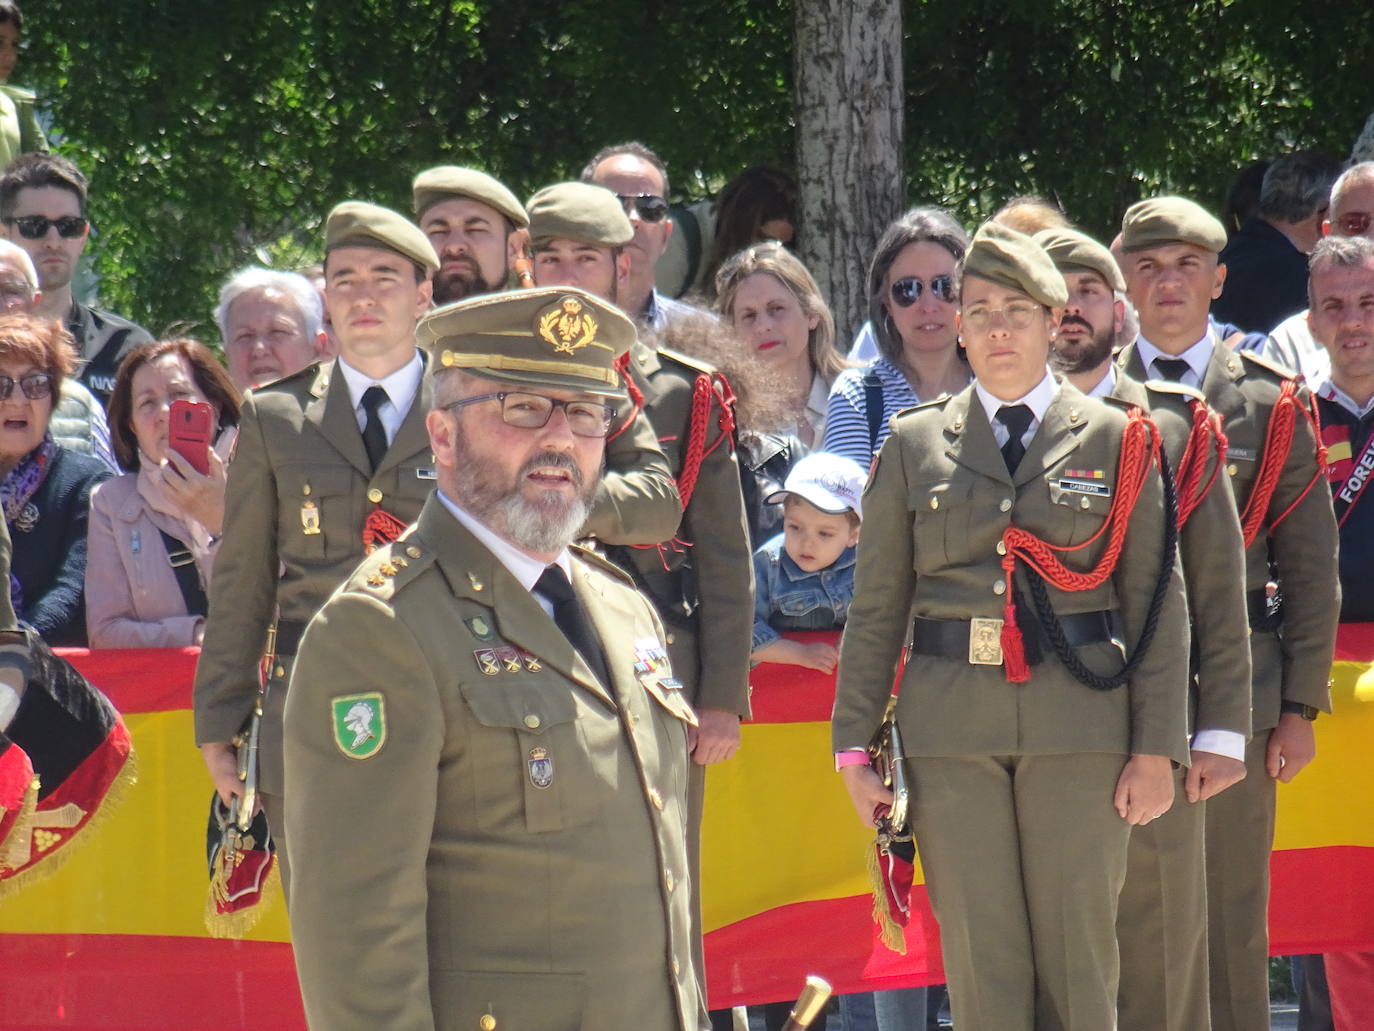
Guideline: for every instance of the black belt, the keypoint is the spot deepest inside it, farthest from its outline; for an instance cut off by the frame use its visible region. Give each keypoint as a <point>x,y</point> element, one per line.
<point>289,633</point>
<point>1265,614</point>
<point>949,638</point>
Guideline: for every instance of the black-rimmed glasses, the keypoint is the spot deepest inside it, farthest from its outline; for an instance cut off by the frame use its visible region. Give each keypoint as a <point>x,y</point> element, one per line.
<point>533,412</point>
<point>35,227</point>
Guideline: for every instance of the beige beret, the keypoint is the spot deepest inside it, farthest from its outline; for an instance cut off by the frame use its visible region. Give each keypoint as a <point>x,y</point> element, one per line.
<point>436,184</point>
<point>547,336</point>
<point>356,223</point>
<point>1072,251</point>
<point>1165,220</point>
<point>579,211</point>
<point>1011,259</point>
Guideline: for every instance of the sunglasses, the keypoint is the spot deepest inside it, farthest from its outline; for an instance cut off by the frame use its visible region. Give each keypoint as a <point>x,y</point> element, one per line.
<point>35,385</point>
<point>1353,224</point>
<point>907,291</point>
<point>35,227</point>
<point>649,206</point>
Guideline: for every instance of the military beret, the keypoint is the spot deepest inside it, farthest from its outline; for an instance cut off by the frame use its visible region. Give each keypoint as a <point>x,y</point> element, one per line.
<point>436,184</point>
<point>548,336</point>
<point>581,212</point>
<point>1072,251</point>
<point>1165,220</point>
<point>355,223</point>
<point>1011,259</point>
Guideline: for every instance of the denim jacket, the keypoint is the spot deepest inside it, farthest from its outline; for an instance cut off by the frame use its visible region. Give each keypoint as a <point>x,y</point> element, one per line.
<point>787,597</point>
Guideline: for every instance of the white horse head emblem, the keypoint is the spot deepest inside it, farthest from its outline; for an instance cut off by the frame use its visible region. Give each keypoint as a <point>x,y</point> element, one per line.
<point>359,721</point>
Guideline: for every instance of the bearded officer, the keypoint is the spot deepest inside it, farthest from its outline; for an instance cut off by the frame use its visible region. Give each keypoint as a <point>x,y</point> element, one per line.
<point>1170,247</point>
<point>329,461</point>
<point>486,749</point>
<point>1162,915</point>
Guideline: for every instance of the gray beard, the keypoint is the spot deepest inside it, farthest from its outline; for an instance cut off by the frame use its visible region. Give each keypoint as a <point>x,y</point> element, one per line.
<point>545,526</point>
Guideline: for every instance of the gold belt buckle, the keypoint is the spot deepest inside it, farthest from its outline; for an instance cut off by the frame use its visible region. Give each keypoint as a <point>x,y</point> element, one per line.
<point>985,642</point>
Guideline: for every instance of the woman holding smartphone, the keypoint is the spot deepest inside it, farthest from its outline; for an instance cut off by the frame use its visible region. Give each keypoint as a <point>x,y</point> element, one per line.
<point>153,530</point>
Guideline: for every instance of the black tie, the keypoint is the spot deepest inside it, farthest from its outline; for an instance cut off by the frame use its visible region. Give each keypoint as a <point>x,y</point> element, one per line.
<point>1172,369</point>
<point>572,619</point>
<point>1017,419</point>
<point>374,433</point>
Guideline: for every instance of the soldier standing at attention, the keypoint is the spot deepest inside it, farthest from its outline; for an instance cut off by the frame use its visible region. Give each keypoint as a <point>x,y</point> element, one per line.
<point>1162,914</point>
<point>330,462</point>
<point>1170,247</point>
<point>1021,513</point>
<point>485,744</point>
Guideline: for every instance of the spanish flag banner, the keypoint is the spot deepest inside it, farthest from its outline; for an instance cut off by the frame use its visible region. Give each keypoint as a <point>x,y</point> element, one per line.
<point>116,938</point>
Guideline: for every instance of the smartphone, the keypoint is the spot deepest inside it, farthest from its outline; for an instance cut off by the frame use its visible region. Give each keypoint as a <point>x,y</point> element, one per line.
<point>189,431</point>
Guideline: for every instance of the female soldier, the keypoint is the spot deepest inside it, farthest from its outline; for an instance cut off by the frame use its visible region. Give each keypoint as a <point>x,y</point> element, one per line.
<point>1030,749</point>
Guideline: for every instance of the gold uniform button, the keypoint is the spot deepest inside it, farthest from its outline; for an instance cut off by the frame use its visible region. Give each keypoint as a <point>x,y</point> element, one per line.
<point>656,799</point>
<point>670,638</point>
<point>374,495</point>
<point>1000,587</point>
<point>1005,505</point>
<point>532,721</point>
<point>413,551</point>
<point>1001,547</point>
<point>677,968</point>
<point>280,671</point>
<point>934,504</point>
<point>1232,470</point>
<point>487,1023</point>
<point>305,489</point>
<point>1083,501</point>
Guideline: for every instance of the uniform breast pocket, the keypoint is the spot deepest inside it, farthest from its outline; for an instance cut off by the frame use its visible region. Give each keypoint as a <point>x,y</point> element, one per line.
<point>530,762</point>
<point>414,482</point>
<point>1081,508</point>
<point>932,505</point>
<point>317,517</point>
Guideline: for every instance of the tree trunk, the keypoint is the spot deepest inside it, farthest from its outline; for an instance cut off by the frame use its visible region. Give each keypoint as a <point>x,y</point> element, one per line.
<point>848,57</point>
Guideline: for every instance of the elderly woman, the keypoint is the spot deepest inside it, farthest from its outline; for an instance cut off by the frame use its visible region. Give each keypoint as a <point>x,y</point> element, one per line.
<point>46,490</point>
<point>770,298</point>
<point>1041,711</point>
<point>911,305</point>
<point>153,530</point>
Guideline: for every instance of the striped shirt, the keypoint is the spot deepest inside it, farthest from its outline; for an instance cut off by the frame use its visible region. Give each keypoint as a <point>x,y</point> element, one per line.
<point>846,418</point>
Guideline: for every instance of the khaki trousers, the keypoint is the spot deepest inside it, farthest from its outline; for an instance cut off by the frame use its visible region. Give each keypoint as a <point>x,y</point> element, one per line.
<point>1161,923</point>
<point>1024,858</point>
<point>1240,835</point>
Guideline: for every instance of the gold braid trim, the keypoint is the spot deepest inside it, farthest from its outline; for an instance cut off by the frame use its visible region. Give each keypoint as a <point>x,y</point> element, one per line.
<point>893,936</point>
<point>504,363</point>
<point>238,923</point>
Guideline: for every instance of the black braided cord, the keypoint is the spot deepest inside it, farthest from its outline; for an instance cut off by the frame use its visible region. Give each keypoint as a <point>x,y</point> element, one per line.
<point>1054,630</point>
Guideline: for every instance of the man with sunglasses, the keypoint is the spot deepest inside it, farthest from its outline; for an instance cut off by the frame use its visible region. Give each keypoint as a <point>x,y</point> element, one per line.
<point>485,739</point>
<point>43,210</point>
<point>639,179</point>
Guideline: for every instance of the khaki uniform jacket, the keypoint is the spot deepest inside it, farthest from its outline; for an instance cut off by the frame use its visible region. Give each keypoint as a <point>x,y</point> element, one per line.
<point>710,651</point>
<point>1213,556</point>
<point>515,848</point>
<point>935,508</point>
<point>300,463</point>
<point>1296,666</point>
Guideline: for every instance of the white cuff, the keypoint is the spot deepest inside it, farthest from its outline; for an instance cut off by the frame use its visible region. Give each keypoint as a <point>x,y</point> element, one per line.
<point>1229,743</point>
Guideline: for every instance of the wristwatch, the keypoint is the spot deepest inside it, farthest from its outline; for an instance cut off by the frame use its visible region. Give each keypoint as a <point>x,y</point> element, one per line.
<point>1307,712</point>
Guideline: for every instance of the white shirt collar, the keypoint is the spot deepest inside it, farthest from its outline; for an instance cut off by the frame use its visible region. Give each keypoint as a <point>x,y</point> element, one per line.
<point>1322,385</point>
<point>1039,399</point>
<point>1197,356</point>
<point>400,386</point>
<point>525,568</point>
<point>1106,384</point>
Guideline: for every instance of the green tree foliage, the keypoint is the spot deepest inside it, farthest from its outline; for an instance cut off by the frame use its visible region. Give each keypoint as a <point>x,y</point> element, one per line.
<point>220,134</point>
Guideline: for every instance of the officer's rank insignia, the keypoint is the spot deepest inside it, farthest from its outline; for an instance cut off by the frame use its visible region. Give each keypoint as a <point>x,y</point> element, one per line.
<point>480,628</point>
<point>541,767</point>
<point>567,327</point>
<point>532,663</point>
<point>487,661</point>
<point>359,724</point>
<point>509,658</point>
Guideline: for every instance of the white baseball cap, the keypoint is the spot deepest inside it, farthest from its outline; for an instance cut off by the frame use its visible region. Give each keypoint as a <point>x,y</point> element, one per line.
<point>832,483</point>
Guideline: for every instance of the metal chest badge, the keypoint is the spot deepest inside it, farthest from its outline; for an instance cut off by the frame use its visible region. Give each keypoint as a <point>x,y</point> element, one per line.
<point>359,724</point>
<point>541,767</point>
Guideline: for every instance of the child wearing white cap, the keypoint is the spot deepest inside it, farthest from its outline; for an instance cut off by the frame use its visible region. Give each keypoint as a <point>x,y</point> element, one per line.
<point>804,577</point>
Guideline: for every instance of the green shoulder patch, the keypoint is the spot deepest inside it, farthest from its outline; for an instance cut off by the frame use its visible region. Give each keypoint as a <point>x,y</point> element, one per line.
<point>359,723</point>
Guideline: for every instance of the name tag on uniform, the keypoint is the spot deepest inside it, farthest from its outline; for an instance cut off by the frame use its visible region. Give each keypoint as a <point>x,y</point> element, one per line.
<point>1245,454</point>
<point>426,473</point>
<point>1094,487</point>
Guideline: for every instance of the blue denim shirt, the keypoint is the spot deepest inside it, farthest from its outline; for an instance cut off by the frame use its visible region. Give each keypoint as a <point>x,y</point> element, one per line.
<point>786,597</point>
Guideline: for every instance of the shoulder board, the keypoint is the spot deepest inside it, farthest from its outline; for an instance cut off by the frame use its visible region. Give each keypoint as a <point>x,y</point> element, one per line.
<point>1272,368</point>
<point>1164,386</point>
<point>939,402</point>
<point>390,568</point>
<point>601,564</point>
<point>695,364</point>
<point>306,375</point>
<point>1112,401</point>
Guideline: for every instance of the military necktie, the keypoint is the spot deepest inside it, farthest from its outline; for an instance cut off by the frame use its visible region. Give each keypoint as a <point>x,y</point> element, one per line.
<point>1172,369</point>
<point>1017,419</point>
<point>374,433</point>
<point>572,619</point>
